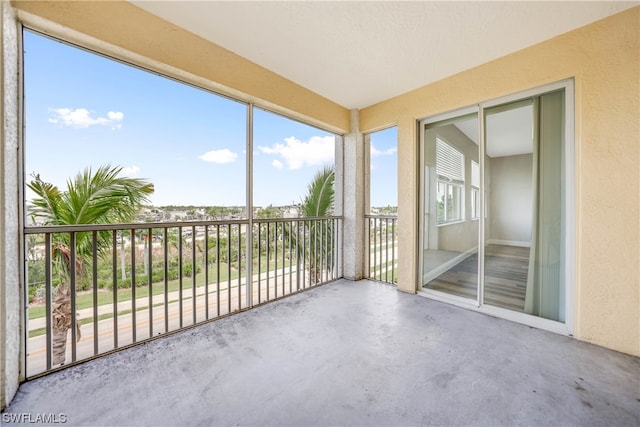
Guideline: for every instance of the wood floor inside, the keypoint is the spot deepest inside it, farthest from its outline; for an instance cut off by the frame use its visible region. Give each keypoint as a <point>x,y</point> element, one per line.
<point>505,277</point>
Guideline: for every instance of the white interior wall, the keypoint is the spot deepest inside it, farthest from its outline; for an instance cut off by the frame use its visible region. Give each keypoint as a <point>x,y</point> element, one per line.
<point>510,199</point>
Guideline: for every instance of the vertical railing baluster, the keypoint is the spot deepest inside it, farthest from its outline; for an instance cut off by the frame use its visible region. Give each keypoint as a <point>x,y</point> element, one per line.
<point>73,272</point>
<point>372,248</point>
<point>194,271</point>
<point>375,249</point>
<point>48,295</point>
<point>324,252</point>
<point>218,269</point>
<point>379,246</point>
<point>290,232</point>
<point>275,260</point>
<point>239,267</point>
<point>336,248</point>
<point>315,252</point>
<point>393,250</point>
<point>376,255</point>
<point>206,272</point>
<point>297,256</point>
<point>327,250</point>
<point>320,250</point>
<point>228,268</point>
<point>386,250</point>
<point>268,242</point>
<point>284,271</point>
<point>133,284</point>
<point>94,280</point>
<point>150,278</point>
<point>367,246</point>
<point>165,255</point>
<point>180,273</point>
<point>259,262</point>
<point>304,256</point>
<point>381,253</point>
<point>330,243</point>
<point>329,255</point>
<point>114,283</point>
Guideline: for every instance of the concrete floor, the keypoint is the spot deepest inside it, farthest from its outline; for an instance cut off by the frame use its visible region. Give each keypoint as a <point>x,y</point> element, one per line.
<point>348,353</point>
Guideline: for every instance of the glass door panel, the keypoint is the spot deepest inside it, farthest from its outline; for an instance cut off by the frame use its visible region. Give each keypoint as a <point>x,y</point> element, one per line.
<point>524,185</point>
<point>450,230</point>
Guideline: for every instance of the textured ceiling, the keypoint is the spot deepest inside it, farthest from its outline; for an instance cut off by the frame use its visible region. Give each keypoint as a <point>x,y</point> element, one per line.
<point>360,53</point>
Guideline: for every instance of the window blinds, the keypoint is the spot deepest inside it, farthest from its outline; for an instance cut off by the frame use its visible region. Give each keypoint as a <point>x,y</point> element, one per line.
<point>449,161</point>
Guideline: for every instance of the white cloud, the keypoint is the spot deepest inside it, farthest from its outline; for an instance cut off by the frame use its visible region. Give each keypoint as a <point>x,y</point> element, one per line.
<point>130,170</point>
<point>115,115</point>
<point>388,152</point>
<point>219,156</point>
<point>81,118</point>
<point>277,164</point>
<point>297,154</point>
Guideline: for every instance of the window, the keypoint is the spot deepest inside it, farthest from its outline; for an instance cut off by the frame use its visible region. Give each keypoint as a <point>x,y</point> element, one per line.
<point>383,172</point>
<point>287,155</point>
<point>450,171</point>
<point>188,142</point>
<point>475,190</point>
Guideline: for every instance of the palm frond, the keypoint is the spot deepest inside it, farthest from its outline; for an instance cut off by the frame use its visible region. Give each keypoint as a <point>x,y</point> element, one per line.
<point>318,202</point>
<point>320,194</point>
<point>100,197</point>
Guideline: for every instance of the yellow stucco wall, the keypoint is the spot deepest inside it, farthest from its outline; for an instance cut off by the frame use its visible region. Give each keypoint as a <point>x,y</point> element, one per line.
<point>604,60</point>
<point>128,27</point>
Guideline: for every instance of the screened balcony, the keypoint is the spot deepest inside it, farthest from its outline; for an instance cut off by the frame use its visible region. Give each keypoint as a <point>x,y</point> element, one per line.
<point>264,320</point>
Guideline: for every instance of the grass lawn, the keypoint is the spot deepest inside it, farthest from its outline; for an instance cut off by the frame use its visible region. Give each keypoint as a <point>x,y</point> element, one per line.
<point>84,299</point>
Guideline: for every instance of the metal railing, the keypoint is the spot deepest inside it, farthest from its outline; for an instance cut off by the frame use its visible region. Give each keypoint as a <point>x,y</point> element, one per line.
<point>382,241</point>
<point>94,289</point>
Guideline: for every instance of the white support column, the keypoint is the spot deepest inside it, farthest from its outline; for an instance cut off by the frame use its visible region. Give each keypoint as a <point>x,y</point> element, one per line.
<point>11,294</point>
<point>353,187</point>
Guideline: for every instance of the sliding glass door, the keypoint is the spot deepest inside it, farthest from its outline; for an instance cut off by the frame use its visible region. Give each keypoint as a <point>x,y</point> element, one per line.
<point>450,214</point>
<point>509,199</point>
<point>495,198</point>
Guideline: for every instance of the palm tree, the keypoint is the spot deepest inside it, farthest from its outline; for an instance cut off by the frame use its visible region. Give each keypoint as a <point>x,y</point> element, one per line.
<point>102,197</point>
<point>318,202</point>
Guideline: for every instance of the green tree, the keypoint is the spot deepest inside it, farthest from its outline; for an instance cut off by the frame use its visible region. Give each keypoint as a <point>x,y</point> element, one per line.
<point>100,197</point>
<point>269,212</point>
<point>318,202</point>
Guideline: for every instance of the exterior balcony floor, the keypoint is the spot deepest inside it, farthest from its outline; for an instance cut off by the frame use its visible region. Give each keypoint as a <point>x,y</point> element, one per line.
<point>347,353</point>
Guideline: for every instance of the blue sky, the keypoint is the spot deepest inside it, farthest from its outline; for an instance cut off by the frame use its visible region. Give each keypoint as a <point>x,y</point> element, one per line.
<point>85,110</point>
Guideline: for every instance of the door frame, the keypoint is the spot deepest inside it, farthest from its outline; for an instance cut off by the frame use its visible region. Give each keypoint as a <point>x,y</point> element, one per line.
<point>566,327</point>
